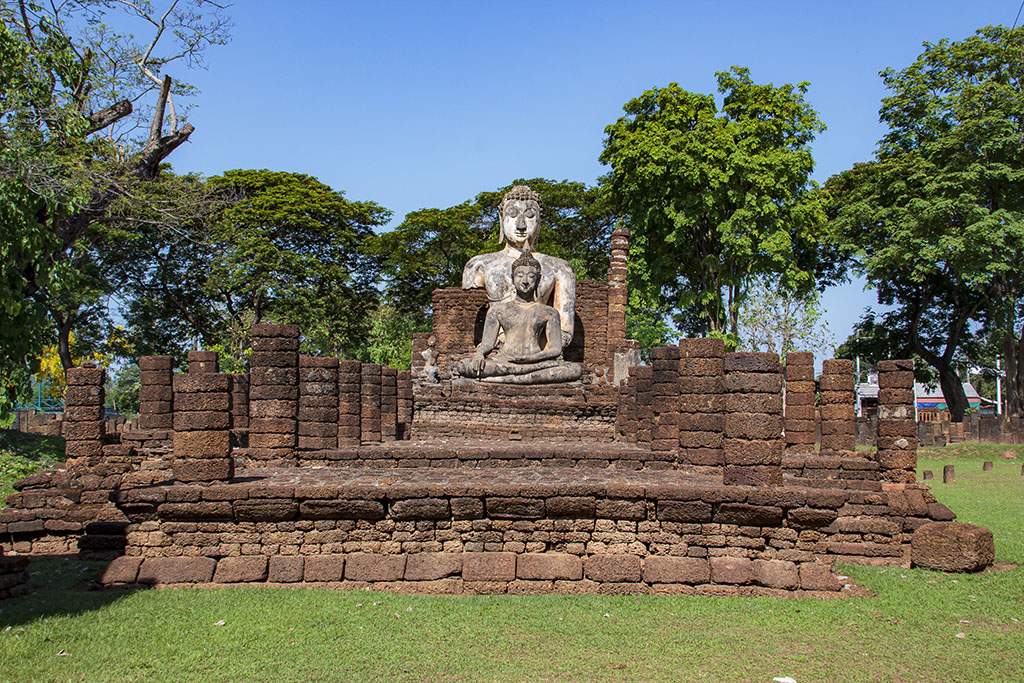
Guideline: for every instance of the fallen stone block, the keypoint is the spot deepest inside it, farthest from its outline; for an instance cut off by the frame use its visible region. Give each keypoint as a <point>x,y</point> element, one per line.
<point>952,547</point>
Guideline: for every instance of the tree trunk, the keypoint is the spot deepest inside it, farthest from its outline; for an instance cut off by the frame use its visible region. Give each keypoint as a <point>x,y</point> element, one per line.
<point>64,339</point>
<point>1013,357</point>
<point>953,391</point>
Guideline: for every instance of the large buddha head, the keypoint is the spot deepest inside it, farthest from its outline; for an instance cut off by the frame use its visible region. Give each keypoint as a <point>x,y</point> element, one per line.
<point>519,213</point>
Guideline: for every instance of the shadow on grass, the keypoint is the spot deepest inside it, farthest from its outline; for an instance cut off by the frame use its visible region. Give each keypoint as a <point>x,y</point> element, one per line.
<point>60,586</point>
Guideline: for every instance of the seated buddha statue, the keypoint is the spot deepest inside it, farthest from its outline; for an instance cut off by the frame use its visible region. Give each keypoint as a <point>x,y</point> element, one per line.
<point>519,214</point>
<point>531,349</point>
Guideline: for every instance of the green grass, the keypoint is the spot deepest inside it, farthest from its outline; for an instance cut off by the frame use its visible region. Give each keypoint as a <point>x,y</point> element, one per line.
<point>907,632</point>
<point>25,454</point>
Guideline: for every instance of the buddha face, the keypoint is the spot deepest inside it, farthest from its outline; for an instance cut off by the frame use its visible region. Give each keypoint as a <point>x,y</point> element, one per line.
<point>520,220</point>
<point>525,279</point>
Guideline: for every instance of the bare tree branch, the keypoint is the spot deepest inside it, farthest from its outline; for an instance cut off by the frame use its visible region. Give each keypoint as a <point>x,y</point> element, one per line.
<point>106,117</point>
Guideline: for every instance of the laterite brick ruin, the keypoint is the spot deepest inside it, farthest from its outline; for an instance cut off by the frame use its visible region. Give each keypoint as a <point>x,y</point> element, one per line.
<point>700,472</point>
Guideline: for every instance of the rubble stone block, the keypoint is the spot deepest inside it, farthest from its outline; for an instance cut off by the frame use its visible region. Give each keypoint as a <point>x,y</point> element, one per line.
<point>815,576</point>
<point>952,547</point>
<point>285,569</point>
<point>122,569</point>
<point>731,570</point>
<point>322,568</point>
<point>776,574</point>
<point>489,566</point>
<point>373,567</point>
<point>164,570</point>
<point>243,569</point>
<point>613,568</point>
<point>664,569</point>
<point>432,566</point>
<point>549,566</point>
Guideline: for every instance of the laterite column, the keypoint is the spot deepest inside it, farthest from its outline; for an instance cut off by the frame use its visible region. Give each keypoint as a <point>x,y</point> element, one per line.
<point>643,376</point>
<point>83,413</point>
<point>274,393</point>
<point>202,427</point>
<point>897,429</point>
<point>753,419</point>
<point>318,402</point>
<point>665,394</point>
<point>349,403</point>
<point>404,405</point>
<point>701,421</point>
<point>156,397</point>
<point>800,388</point>
<point>838,426</point>
<point>388,403</point>
<point>369,396</point>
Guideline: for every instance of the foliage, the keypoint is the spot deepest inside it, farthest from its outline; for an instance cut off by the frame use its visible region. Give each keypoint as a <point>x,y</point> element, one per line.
<point>22,455</point>
<point>721,196</point>
<point>390,339</point>
<point>123,391</point>
<point>276,246</point>
<point>774,318</point>
<point>429,249</point>
<point>72,146</point>
<point>935,221</point>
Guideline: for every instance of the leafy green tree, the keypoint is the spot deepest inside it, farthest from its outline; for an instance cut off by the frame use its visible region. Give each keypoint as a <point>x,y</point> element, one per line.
<point>430,247</point>
<point>280,246</point>
<point>720,196</point>
<point>72,145</point>
<point>936,221</point>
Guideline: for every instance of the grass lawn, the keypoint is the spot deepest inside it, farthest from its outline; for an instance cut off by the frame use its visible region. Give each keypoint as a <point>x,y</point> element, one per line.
<point>920,625</point>
<point>25,454</point>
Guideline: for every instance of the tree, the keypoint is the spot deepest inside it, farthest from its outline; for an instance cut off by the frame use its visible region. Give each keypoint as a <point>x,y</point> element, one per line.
<point>935,221</point>
<point>720,196</point>
<point>774,318</point>
<point>430,247</point>
<point>281,246</point>
<point>72,145</point>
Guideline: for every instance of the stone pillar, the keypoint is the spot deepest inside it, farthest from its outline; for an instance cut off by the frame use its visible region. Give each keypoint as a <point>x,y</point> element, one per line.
<point>83,427</point>
<point>618,293</point>
<point>753,444</point>
<point>838,428</point>
<point>897,429</point>
<point>404,405</point>
<point>369,396</point>
<point>388,403</point>
<point>318,402</point>
<point>643,376</point>
<point>665,395</point>
<point>156,397</point>
<point>202,427</point>
<point>202,363</point>
<point>349,383</point>
<point>420,343</point>
<point>240,400</point>
<point>625,418</point>
<point>273,392</point>
<point>800,411</point>
<point>701,422</point>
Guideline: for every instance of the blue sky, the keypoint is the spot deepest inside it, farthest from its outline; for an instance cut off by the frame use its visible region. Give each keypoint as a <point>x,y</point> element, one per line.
<point>425,104</point>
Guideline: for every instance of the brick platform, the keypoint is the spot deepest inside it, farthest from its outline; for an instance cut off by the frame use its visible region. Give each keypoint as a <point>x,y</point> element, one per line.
<point>493,530</point>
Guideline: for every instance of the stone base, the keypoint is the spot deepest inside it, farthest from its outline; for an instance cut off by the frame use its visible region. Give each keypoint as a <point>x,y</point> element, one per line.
<point>466,408</point>
<point>509,530</point>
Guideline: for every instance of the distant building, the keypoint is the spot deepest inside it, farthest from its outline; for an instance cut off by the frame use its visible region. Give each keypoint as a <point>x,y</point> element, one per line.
<point>931,404</point>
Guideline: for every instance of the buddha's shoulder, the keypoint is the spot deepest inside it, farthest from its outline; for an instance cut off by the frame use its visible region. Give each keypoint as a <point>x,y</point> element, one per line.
<point>481,260</point>
<point>554,263</point>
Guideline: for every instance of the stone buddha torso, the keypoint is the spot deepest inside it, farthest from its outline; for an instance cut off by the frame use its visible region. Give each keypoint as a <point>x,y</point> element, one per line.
<point>520,220</point>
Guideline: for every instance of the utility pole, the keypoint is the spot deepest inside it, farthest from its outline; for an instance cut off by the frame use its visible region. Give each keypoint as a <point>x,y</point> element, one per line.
<point>999,389</point>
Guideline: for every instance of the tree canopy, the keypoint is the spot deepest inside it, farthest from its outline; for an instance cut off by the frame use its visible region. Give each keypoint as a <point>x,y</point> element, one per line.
<point>72,144</point>
<point>718,197</point>
<point>935,221</point>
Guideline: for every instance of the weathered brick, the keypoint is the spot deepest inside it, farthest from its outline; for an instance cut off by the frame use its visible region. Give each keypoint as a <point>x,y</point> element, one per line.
<point>163,570</point>
<point>488,566</point>
<point>244,569</point>
<point>612,568</point>
<point>731,570</point>
<point>321,568</point>
<point>373,567</point>
<point>432,566</point>
<point>663,569</point>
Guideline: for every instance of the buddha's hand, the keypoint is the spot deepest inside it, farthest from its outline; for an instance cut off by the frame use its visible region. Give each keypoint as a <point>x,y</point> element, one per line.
<point>476,363</point>
<point>566,338</point>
